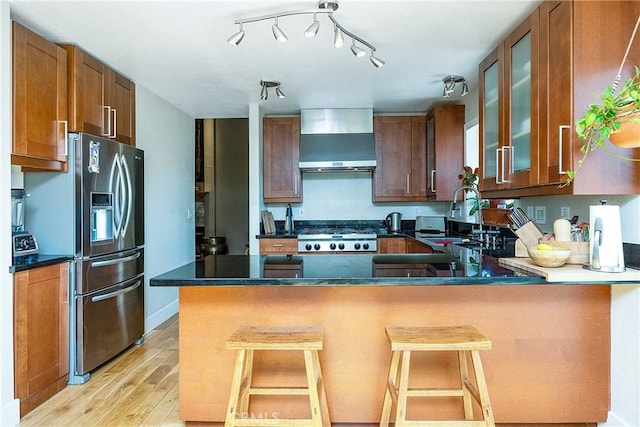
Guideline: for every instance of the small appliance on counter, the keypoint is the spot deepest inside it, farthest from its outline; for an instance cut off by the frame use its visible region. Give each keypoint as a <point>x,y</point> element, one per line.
<point>24,244</point>
<point>605,239</point>
<point>394,222</point>
<point>288,223</point>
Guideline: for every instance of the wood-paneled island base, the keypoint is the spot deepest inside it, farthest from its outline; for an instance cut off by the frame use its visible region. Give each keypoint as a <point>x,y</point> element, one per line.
<point>550,360</point>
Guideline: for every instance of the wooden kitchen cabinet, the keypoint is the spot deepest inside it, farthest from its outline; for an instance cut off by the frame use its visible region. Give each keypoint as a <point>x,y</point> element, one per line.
<point>508,110</point>
<point>392,245</point>
<point>401,146</point>
<point>573,58</point>
<point>101,101</point>
<point>577,63</point>
<point>278,246</point>
<point>39,102</point>
<point>401,270</point>
<point>281,154</point>
<point>445,150</point>
<point>41,334</point>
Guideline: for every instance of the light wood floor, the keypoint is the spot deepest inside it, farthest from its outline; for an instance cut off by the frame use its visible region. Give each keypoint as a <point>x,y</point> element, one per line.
<point>138,388</point>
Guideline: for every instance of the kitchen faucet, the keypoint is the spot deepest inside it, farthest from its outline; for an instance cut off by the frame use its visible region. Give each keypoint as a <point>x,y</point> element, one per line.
<point>455,198</point>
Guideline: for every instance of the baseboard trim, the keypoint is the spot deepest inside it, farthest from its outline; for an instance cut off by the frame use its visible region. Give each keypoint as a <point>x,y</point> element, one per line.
<point>10,413</point>
<point>160,316</point>
<point>613,420</point>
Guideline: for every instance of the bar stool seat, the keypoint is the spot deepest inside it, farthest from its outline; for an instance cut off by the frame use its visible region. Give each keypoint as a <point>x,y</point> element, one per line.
<point>246,340</point>
<point>467,341</point>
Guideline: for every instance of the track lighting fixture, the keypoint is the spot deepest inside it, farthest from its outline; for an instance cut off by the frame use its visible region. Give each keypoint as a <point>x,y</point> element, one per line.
<point>312,31</point>
<point>264,93</point>
<point>450,85</point>
<point>357,51</point>
<point>338,38</point>
<point>324,7</point>
<point>278,33</point>
<point>237,37</point>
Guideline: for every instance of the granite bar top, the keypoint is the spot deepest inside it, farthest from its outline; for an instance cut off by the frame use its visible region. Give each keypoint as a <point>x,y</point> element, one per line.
<point>338,270</point>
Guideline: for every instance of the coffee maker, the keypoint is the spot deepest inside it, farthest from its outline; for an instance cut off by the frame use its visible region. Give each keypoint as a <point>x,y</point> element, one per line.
<point>24,244</point>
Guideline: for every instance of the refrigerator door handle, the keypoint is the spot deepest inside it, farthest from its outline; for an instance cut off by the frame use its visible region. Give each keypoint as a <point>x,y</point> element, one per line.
<point>116,293</point>
<point>114,185</point>
<point>128,196</point>
<point>115,261</point>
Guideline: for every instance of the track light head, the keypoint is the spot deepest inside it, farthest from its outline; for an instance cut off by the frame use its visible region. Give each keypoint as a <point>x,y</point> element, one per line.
<point>279,92</point>
<point>465,89</point>
<point>236,38</point>
<point>377,62</point>
<point>278,33</point>
<point>312,31</point>
<point>357,50</point>
<point>338,38</point>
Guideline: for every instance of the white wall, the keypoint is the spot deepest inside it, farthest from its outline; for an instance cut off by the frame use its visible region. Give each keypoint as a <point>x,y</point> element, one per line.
<point>167,136</point>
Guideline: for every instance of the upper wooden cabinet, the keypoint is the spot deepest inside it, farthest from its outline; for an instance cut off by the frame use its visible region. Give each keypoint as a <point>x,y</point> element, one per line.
<point>41,334</point>
<point>39,102</point>
<point>445,150</point>
<point>508,110</point>
<point>101,101</point>
<point>573,58</point>
<point>281,154</point>
<point>401,145</point>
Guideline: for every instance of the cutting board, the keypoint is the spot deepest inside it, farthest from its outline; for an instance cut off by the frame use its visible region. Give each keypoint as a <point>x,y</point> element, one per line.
<point>571,272</point>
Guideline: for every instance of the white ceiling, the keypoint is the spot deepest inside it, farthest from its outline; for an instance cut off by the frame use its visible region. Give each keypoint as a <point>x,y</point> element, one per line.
<point>178,49</point>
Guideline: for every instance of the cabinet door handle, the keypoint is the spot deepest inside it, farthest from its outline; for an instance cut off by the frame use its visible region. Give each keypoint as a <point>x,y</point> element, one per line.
<point>560,146</point>
<point>433,180</point>
<point>504,174</point>
<point>107,120</point>
<point>498,180</point>
<point>295,184</point>
<point>278,245</point>
<point>115,123</point>
<point>408,189</point>
<point>66,131</point>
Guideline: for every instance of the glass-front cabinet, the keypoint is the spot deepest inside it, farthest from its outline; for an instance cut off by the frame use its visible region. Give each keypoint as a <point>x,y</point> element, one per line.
<point>491,119</point>
<point>508,115</point>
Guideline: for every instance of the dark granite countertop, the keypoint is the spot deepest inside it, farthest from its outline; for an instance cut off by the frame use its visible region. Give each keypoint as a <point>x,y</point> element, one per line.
<point>336,270</point>
<point>28,263</point>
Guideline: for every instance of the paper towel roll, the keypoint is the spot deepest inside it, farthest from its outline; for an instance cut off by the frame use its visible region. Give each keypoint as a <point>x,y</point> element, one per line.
<point>610,242</point>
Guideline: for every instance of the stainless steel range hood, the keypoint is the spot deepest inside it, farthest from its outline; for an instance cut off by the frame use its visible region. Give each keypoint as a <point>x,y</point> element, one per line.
<point>337,140</point>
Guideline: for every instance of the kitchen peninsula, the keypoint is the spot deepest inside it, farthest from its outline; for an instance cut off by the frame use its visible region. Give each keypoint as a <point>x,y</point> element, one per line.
<point>547,338</point>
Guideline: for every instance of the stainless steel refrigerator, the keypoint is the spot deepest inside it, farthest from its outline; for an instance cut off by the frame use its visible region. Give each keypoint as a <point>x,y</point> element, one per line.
<point>95,212</point>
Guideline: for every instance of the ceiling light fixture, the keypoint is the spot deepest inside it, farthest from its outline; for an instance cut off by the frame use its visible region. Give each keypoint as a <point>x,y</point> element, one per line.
<point>312,31</point>
<point>357,51</point>
<point>264,92</point>
<point>326,7</point>
<point>450,85</point>
<point>278,33</point>
<point>237,37</point>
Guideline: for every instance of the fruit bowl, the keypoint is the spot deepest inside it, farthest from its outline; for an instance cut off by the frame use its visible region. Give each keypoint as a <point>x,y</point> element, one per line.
<point>549,258</point>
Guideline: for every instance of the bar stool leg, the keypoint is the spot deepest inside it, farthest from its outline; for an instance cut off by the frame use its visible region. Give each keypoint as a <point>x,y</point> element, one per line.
<point>464,379</point>
<point>390,390</point>
<point>232,408</point>
<point>319,409</point>
<point>401,407</point>
<point>245,385</point>
<point>483,390</point>
<point>324,406</point>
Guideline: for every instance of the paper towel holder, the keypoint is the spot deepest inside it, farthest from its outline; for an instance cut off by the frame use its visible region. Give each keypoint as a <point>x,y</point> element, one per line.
<point>612,244</point>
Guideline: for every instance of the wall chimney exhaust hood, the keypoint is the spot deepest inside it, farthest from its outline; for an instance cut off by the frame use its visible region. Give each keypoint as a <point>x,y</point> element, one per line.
<point>337,140</point>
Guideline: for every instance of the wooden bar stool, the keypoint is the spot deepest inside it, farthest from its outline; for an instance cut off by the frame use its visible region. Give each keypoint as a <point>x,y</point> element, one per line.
<point>248,339</point>
<point>466,340</point>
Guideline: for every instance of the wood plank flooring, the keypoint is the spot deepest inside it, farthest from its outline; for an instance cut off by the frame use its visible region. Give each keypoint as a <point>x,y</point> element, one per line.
<point>138,388</point>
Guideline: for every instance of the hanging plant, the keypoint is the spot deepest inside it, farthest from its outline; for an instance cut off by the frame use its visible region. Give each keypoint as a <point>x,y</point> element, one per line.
<point>615,119</point>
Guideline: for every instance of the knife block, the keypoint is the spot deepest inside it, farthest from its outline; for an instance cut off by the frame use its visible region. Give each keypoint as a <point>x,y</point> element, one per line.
<point>529,234</point>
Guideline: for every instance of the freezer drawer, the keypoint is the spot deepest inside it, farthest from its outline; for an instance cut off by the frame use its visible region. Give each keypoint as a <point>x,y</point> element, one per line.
<point>99,272</point>
<point>108,322</point>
